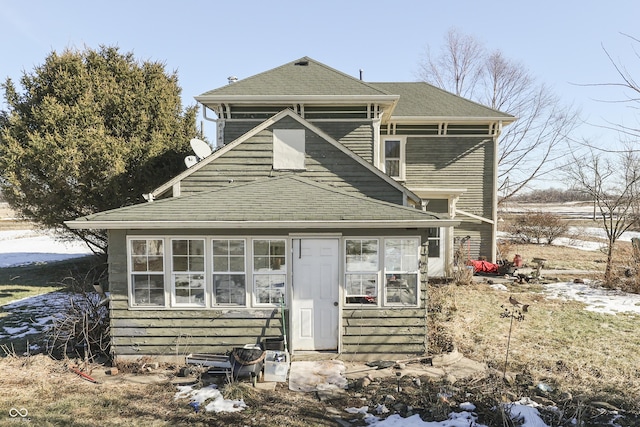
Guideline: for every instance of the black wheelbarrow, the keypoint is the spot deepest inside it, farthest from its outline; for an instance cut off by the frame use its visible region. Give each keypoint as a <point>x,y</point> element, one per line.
<point>247,362</point>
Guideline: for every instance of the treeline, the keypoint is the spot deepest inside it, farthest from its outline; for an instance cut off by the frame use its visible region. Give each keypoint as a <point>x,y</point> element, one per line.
<point>550,195</point>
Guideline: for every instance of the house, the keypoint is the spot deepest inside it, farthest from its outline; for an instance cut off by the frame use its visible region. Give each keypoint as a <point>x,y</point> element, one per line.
<point>328,199</point>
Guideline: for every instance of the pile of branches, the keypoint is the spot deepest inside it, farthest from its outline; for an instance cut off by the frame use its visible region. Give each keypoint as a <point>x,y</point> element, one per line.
<point>82,330</point>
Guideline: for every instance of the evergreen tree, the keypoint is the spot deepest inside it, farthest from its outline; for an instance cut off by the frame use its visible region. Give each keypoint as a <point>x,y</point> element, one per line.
<point>93,130</point>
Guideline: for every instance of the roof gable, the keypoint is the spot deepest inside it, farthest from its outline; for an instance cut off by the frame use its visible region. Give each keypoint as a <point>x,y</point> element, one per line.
<point>302,77</point>
<point>268,123</point>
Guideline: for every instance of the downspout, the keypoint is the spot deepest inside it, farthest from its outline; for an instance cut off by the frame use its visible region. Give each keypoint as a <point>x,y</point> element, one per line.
<point>494,217</point>
<point>376,138</point>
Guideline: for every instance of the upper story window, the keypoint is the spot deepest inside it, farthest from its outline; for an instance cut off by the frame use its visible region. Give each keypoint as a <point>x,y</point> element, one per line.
<point>394,156</point>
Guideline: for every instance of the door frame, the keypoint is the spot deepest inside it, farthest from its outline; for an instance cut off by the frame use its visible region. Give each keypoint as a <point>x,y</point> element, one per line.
<point>313,236</point>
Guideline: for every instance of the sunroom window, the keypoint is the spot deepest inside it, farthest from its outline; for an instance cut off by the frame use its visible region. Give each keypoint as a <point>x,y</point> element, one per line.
<point>401,271</point>
<point>229,276</point>
<point>187,271</point>
<point>269,271</point>
<point>361,272</point>
<point>147,272</point>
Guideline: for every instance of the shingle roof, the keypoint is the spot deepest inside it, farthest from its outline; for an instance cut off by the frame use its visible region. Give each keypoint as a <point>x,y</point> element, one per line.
<point>423,99</point>
<point>303,77</point>
<point>288,198</point>
<point>307,79</point>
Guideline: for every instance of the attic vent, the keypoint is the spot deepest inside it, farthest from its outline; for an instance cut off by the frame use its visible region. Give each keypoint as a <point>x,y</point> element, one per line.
<point>302,63</point>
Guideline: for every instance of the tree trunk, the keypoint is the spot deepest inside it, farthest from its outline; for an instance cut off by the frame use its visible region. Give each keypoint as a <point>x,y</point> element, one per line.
<point>609,267</point>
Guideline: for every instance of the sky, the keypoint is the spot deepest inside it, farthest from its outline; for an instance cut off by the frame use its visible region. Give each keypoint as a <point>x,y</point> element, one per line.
<point>559,42</point>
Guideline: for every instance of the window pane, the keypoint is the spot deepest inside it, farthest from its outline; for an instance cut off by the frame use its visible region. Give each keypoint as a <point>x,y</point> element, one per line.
<point>269,255</point>
<point>180,263</point>
<point>236,247</point>
<point>229,289</point>
<point>220,247</point>
<point>236,263</point>
<point>138,247</point>
<point>362,255</point>
<point>196,247</point>
<point>155,263</point>
<point>392,167</point>
<point>180,247</point>
<point>147,267</point>
<point>434,249</point>
<point>196,263</point>
<point>361,288</point>
<point>401,288</point>
<point>139,263</point>
<point>392,148</point>
<point>189,289</point>
<point>228,257</point>
<point>220,263</point>
<point>148,289</point>
<point>433,232</point>
<point>269,288</point>
<point>261,247</point>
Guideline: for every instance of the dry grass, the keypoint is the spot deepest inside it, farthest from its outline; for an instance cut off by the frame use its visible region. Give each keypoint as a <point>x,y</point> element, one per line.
<point>559,343</point>
<point>564,258</point>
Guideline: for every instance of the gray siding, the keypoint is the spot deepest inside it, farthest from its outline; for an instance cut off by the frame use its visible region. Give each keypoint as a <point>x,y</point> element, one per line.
<point>457,162</point>
<point>356,136</point>
<point>369,333</point>
<point>324,162</point>
<point>174,333</point>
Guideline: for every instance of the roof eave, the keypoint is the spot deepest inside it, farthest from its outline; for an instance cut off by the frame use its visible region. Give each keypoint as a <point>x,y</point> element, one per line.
<point>291,99</point>
<point>80,224</point>
<point>452,119</point>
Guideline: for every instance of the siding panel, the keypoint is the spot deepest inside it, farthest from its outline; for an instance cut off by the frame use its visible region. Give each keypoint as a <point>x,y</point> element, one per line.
<point>458,162</point>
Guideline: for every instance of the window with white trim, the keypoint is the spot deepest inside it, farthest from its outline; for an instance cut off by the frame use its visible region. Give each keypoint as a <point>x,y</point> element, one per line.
<point>187,272</point>
<point>361,271</point>
<point>269,271</point>
<point>394,157</point>
<point>401,262</point>
<point>229,272</point>
<point>434,242</point>
<point>147,272</point>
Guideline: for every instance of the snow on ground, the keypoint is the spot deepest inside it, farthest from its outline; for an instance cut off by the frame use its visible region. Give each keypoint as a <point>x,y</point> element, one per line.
<point>21,247</point>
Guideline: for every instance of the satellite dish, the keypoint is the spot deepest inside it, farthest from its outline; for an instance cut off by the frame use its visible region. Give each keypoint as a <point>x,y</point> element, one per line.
<point>190,161</point>
<point>201,148</point>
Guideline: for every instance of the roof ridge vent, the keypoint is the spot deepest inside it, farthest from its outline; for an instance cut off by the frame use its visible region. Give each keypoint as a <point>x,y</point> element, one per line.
<point>302,63</point>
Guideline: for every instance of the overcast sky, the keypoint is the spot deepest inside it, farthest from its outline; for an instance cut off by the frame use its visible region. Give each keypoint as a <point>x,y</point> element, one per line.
<point>560,42</point>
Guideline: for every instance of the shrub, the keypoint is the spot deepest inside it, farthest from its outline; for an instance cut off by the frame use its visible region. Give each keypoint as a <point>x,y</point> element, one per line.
<point>539,227</point>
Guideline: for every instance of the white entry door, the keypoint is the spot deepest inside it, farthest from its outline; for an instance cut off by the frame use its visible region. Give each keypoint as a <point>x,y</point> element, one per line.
<point>314,306</point>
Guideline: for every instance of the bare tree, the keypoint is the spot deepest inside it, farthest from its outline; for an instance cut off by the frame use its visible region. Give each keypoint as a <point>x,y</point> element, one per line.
<point>613,183</point>
<point>629,86</point>
<point>529,147</point>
